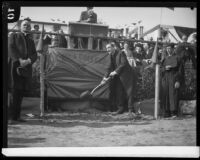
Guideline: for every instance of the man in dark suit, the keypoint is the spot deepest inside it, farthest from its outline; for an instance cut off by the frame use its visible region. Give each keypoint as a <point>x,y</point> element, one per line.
<point>122,84</point>
<point>21,55</point>
<point>88,16</point>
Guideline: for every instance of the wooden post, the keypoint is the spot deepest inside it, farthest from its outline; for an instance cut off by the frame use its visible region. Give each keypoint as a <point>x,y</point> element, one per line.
<point>69,43</point>
<point>42,87</point>
<point>157,88</point>
<point>90,43</point>
<point>40,50</point>
<point>98,44</point>
<point>157,85</point>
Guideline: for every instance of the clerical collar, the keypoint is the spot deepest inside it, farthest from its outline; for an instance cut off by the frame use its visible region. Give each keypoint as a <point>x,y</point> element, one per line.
<point>25,34</point>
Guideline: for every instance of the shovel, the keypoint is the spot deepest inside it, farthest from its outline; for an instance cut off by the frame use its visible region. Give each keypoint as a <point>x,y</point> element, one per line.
<point>88,93</point>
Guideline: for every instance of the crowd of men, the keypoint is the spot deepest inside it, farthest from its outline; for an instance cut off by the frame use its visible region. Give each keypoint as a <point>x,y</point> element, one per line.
<point>126,59</point>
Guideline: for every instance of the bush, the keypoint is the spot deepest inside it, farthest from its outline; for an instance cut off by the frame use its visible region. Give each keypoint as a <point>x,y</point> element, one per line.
<point>146,85</point>
<point>190,89</point>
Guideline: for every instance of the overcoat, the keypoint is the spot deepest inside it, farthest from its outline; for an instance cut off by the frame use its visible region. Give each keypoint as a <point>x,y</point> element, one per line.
<point>22,47</point>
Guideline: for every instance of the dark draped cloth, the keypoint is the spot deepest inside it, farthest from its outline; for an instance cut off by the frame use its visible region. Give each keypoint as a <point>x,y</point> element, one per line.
<point>169,95</point>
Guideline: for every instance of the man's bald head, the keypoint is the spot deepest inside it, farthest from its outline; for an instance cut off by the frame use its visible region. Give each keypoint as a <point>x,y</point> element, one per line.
<point>25,26</point>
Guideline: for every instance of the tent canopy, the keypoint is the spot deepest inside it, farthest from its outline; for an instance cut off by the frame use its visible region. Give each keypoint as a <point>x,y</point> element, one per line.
<point>176,32</point>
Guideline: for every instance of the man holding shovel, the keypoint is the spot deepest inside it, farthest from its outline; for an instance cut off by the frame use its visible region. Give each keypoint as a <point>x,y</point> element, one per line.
<point>122,82</point>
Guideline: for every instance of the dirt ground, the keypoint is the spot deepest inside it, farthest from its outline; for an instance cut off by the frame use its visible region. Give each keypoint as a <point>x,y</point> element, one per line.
<point>100,129</point>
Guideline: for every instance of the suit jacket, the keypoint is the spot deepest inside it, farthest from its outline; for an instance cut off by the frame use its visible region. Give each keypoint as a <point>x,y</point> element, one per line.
<point>119,63</point>
<point>84,16</point>
<point>24,48</point>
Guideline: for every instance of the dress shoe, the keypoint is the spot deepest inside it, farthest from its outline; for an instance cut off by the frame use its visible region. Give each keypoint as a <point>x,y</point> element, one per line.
<point>21,120</point>
<point>119,111</point>
<point>131,111</point>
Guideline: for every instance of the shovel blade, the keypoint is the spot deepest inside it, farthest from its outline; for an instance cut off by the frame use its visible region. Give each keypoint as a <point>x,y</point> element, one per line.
<point>85,94</point>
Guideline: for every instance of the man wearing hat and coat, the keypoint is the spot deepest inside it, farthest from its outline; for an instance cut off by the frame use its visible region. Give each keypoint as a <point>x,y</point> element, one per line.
<point>21,55</point>
<point>122,82</point>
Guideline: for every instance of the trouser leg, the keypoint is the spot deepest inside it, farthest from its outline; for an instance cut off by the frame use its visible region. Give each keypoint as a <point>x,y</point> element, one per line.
<point>131,104</point>
<point>177,110</point>
<point>120,95</point>
<point>15,104</point>
<point>19,104</point>
<point>113,95</point>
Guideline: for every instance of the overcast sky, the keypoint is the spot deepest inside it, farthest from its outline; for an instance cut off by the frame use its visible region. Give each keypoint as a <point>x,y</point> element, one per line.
<point>117,16</point>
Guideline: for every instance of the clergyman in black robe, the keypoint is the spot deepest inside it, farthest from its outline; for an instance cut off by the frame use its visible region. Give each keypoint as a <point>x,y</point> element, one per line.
<point>171,74</point>
<point>21,56</point>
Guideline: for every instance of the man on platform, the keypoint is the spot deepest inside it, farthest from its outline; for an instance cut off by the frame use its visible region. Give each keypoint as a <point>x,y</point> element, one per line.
<point>122,79</point>
<point>88,16</point>
<point>21,55</point>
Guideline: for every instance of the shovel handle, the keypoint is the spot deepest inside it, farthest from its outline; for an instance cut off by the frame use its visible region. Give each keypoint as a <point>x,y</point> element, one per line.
<point>101,84</point>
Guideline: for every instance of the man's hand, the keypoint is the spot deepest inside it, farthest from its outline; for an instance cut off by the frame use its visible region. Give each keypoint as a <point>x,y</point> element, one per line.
<point>104,80</point>
<point>112,74</point>
<point>168,67</point>
<point>177,85</point>
<point>24,63</point>
<point>137,60</point>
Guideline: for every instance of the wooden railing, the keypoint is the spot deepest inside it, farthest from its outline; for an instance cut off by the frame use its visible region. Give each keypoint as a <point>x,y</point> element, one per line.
<point>90,38</point>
